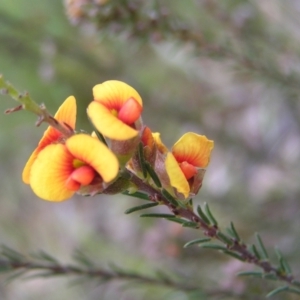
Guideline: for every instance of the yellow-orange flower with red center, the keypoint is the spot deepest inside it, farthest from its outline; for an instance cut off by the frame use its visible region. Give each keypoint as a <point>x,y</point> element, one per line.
<point>60,170</point>
<point>189,154</point>
<point>115,109</point>
<point>66,114</point>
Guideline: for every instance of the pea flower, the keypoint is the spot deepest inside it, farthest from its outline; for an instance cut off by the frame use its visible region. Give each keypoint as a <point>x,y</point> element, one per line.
<point>60,170</point>
<point>116,110</point>
<point>66,115</point>
<point>61,166</point>
<point>185,164</point>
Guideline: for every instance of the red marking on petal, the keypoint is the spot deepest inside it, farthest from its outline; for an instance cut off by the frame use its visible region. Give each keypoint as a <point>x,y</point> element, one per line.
<point>188,170</point>
<point>72,184</point>
<point>84,175</point>
<point>130,111</point>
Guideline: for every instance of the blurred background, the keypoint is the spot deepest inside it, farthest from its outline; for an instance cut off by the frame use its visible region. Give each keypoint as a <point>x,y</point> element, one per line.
<point>227,69</point>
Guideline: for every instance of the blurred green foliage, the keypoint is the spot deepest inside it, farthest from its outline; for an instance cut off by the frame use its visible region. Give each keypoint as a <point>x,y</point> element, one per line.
<point>226,69</point>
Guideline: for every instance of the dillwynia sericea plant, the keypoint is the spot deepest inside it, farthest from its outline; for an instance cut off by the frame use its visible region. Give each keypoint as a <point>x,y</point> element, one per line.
<point>123,156</point>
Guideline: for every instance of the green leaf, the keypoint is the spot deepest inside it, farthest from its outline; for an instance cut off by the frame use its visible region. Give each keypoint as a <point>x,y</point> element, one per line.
<point>202,215</point>
<point>210,215</point>
<point>255,251</point>
<point>45,257</point>
<point>177,220</point>
<point>11,254</point>
<point>277,291</point>
<point>144,206</point>
<point>153,175</point>
<point>164,216</point>
<point>224,238</point>
<point>235,234</point>
<point>214,246</point>
<point>142,160</point>
<point>190,224</point>
<point>197,241</point>
<point>262,247</point>
<point>169,197</point>
<point>81,258</point>
<point>251,273</point>
<point>137,195</point>
<point>235,255</point>
<point>283,263</point>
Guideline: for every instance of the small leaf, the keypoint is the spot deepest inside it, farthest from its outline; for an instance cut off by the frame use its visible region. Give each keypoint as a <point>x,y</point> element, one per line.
<point>277,291</point>
<point>164,216</point>
<point>224,238</point>
<point>136,208</point>
<point>283,263</point>
<point>202,215</point>
<point>262,247</point>
<point>169,197</point>
<point>45,257</point>
<point>210,215</point>
<point>255,252</point>
<point>234,232</point>
<point>251,273</point>
<point>82,259</point>
<point>137,195</point>
<point>190,224</point>
<point>11,254</point>
<point>142,160</point>
<point>235,255</point>
<point>197,241</point>
<point>177,220</point>
<point>214,246</point>
<point>153,175</point>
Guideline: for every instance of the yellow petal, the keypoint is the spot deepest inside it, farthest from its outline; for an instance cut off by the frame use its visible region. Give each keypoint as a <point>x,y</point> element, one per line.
<point>109,125</point>
<point>65,114</point>
<point>114,93</point>
<point>50,171</point>
<point>95,154</point>
<point>176,176</point>
<point>161,147</point>
<point>194,149</point>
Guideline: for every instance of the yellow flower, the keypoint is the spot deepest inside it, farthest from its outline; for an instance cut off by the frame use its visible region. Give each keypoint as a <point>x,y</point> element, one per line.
<point>60,170</point>
<point>66,114</point>
<point>116,109</point>
<point>190,154</point>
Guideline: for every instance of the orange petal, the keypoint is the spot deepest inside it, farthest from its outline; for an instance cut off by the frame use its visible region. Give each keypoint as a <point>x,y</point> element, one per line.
<point>95,154</point>
<point>194,149</point>
<point>66,114</point>
<point>114,93</point>
<point>50,171</point>
<point>109,125</point>
<point>176,176</point>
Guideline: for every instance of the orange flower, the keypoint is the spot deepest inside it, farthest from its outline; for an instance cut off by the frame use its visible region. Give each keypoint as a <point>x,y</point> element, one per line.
<point>60,170</point>
<point>190,154</point>
<point>116,110</point>
<point>66,114</point>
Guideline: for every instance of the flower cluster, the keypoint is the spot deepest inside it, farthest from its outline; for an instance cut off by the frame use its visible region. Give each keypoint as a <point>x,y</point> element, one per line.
<point>62,165</point>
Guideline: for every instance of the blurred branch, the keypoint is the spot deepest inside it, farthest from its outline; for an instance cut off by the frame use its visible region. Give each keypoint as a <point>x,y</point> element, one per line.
<point>42,264</point>
<point>153,22</point>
